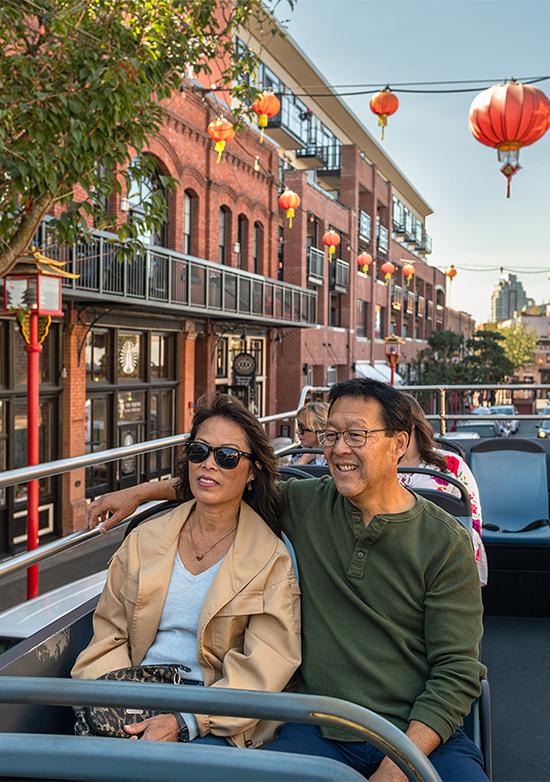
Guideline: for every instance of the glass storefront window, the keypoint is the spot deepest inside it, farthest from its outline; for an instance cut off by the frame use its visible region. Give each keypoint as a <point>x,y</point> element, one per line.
<point>131,406</point>
<point>161,425</point>
<point>97,438</point>
<point>47,435</point>
<point>162,364</point>
<point>130,356</point>
<point>3,446</point>
<point>221,357</point>
<point>98,356</point>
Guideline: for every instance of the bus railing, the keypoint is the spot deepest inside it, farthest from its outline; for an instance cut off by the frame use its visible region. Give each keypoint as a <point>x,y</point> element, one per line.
<point>285,707</point>
<point>442,395</point>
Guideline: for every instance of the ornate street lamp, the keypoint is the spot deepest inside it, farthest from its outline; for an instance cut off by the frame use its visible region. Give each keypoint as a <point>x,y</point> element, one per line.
<point>392,354</point>
<point>32,292</point>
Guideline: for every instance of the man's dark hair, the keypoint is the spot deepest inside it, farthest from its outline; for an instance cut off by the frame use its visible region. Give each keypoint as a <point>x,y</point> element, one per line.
<point>395,406</point>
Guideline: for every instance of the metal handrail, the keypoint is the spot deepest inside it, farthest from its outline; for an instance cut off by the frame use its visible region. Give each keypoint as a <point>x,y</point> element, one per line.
<point>442,390</point>
<point>59,466</point>
<point>286,707</point>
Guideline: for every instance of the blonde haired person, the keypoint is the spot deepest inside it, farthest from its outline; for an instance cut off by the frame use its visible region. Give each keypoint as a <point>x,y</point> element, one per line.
<point>311,418</point>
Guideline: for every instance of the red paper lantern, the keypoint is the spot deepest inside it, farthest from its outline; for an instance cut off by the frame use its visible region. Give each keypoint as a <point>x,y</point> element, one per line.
<point>266,106</point>
<point>331,240</point>
<point>384,104</point>
<point>221,131</point>
<point>408,272</point>
<point>290,201</point>
<point>364,260</point>
<point>387,270</point>
<point>508,117</point>
<point>451,272</point>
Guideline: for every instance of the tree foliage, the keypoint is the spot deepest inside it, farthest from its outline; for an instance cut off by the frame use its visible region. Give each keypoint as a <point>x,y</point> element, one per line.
<point>520,344</point>
<point>83,88</point>
<point>487,361</point>
<point>439,363</point>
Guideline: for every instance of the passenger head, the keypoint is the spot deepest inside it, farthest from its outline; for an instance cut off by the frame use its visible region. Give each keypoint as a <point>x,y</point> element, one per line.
<point>422,444</point>
<point>310,418</point>
<point>366,461</point>
<point>224,476</point>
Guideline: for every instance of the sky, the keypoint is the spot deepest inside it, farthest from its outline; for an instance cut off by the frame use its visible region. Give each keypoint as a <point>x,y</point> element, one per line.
<point>364,41</point>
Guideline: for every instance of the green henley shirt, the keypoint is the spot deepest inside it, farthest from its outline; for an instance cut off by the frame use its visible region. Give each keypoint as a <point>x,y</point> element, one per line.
<point>391,611</point>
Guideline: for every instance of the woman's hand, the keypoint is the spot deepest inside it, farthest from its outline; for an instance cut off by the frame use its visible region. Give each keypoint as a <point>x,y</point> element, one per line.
<point>163,727</point>
<point>112,508</point>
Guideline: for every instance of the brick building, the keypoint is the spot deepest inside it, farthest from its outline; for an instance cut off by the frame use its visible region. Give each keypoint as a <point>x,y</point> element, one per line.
<point>141,341</point>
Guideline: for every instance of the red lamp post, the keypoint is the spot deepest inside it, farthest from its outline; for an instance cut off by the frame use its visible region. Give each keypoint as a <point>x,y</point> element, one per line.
<point>392,354</point>
<point>33,293</point>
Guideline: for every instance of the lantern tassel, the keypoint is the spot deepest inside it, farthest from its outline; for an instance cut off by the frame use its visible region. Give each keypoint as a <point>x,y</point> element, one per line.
<point>382,121</point>
<point>219,146</point>
<point>387,277</point>
<point>290,215</point>
<point>262,123</point>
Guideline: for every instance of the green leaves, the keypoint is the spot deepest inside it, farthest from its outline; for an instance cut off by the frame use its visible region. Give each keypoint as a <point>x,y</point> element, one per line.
<point>81,80</point>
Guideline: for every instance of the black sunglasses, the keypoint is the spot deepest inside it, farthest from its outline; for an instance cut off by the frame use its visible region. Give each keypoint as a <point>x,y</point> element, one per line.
<point>226,457</point>
<point>302,429</point>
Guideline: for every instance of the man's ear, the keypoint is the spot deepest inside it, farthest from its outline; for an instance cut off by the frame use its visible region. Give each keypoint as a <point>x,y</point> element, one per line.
<point>401,444</point>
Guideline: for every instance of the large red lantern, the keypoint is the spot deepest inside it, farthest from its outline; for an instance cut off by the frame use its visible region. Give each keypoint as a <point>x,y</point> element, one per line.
<point>384,104</point>
<point>364,260</point>
<point>290,201</point>
<point>221,130</point>
<point>266,105</point>
<point>331,240</point>
<point>387,270</point>
<point>408,272</point>
<point>508,117</point>
<point>451,273</point>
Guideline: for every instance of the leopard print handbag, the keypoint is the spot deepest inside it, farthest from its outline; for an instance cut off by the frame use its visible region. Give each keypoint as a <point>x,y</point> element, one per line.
<point>109,720</point>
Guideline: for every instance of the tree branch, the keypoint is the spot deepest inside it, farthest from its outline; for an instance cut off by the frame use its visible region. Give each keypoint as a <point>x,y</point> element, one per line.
<point>27,229</point>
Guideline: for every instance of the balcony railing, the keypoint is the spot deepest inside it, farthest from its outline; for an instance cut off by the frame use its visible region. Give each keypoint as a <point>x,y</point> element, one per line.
<point>315,265</point>
<point>426,245</point>
<point>166,279</point>
<point>365,226</point>
<point>382,238</point>
<point>289,127</point>
<point>397,297</point>
<point>339,276</point>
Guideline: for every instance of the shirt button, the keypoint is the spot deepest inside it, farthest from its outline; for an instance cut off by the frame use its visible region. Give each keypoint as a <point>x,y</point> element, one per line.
<point>360,554</point>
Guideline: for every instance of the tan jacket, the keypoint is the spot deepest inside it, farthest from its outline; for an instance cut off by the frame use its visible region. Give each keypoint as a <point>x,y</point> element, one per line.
<point>249,628</point>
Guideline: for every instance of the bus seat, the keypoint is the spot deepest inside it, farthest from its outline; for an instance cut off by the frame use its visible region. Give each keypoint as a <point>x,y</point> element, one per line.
<point>450,445</point>
<point>478,726</point>
<point>459,507</point>
<point>513,488</point>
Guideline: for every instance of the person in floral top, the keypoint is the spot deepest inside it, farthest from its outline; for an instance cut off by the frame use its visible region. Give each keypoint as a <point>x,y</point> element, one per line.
<point>422,452</point>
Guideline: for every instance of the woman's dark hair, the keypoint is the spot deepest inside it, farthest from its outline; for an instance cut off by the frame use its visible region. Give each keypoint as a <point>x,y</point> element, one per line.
<point>395,408</point>
<point>424,435</point>
<point>263,496</point>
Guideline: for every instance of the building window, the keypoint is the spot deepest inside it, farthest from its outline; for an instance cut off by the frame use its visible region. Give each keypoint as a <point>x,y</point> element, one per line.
<point>281,254</point>
<point>140,195</point>
<point>130,363</point>
<point>258,247</point>
<point>190,216</point>
<point>335,310</point>
<point>361,326</point>
<point>98,356</point>
<point>242,239</point>
<point>223,234</point>
<point>332,376</point>
<point>161,356</point>
<point>379,321</point>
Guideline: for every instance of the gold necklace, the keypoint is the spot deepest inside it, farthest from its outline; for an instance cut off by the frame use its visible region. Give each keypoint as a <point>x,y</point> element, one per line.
<point>200,557</point>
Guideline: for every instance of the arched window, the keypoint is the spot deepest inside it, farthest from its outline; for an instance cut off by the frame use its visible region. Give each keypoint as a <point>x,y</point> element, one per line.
<point>140,194</point>
<point>439,297</point>
<point>224,235</point>
<point>190,222</point>
<point>258,248</point>
<point>242,239</point>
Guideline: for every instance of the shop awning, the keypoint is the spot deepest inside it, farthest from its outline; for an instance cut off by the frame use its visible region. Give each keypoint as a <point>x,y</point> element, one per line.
<point>380,371</point>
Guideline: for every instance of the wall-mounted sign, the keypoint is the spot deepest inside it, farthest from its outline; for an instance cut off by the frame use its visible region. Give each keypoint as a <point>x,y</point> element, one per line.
<point>244,365</point>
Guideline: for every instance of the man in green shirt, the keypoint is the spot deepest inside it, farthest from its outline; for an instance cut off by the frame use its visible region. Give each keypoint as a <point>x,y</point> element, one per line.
<point>391,599</point>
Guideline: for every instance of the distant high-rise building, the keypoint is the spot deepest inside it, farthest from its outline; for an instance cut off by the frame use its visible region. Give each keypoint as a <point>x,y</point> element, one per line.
<point>507,297</point>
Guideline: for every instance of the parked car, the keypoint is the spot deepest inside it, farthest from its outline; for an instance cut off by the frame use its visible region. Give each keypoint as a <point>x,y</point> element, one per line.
<point>481,410</point>
<point>483,428</point>
<point>543,429</point>
<point>511,424</point>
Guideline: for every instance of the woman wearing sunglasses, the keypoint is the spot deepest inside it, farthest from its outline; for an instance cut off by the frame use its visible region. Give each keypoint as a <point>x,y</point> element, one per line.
<point>310,419</point>
<point>209,585</point>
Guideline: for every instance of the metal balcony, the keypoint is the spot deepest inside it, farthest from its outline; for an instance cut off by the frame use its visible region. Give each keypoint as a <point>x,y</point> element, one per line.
<point>329,173</point>
<point>311,156</point>
<point>382,239</point>
<point>168,281</point>
<point>315,266</point>
<point>288,127</point>
<point>397,297</point>
<point>339,276</point>
<point>426,245</point>
<point>365,226</point>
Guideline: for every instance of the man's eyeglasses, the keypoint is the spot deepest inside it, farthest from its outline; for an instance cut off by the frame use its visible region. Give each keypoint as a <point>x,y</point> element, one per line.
<point>226,457</point>
<point>302,429</point>
<point>355,438</point>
